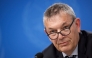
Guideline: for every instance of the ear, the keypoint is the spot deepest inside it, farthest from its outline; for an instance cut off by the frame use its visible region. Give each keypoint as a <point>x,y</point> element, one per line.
<point>45,31</point>
<point>78,24</point>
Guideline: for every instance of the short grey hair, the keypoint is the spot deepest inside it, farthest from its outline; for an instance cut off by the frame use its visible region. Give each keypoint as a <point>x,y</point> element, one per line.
<point>57,8</point>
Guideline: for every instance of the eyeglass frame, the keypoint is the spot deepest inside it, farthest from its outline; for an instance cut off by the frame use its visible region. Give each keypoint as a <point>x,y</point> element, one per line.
<point>60,31</point>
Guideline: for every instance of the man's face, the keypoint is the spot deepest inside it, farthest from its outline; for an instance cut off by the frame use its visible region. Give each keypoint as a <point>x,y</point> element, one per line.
<point>57,23</point>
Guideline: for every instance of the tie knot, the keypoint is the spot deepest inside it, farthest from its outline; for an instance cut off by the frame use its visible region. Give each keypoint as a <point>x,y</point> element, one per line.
<point>74,56</point>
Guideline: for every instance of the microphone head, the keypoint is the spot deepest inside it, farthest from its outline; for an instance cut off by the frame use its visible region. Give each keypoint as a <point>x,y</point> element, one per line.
<point>39,55</point>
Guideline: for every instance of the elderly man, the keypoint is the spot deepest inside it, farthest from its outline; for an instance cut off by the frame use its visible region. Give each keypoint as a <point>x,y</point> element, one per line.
<point>63,29</point>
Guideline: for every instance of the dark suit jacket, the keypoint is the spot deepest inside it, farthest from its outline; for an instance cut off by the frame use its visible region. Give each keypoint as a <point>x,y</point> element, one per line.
<point>84,47</point>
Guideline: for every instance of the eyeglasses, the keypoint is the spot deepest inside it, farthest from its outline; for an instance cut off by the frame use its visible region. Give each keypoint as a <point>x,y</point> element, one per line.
<point>64,32</point>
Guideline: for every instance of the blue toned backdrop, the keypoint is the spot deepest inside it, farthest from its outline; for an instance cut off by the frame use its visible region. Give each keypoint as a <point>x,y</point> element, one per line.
<point>21,27</point>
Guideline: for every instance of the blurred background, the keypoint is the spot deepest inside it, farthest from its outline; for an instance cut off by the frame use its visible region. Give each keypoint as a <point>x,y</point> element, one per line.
<point>21,25</point>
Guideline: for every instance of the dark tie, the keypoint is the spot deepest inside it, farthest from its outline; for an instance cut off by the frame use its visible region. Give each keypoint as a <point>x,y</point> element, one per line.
<point>74,56</point>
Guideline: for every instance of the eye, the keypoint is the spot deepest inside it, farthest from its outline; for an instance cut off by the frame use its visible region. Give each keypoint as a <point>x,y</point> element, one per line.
<point>66,27</point>
<point>52,31</point>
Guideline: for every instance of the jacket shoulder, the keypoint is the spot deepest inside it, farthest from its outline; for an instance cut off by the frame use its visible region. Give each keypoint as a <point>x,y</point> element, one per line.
<point>49,49</point>
<point>49,52</point>
<point>89,43</point>
<point>88,34</point>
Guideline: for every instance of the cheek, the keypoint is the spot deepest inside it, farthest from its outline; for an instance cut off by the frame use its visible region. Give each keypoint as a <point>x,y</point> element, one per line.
<point>55,43</point>
<point>74,36</point>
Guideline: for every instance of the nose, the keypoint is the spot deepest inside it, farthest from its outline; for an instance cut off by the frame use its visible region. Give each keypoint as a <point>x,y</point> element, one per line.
<point>60,36</point>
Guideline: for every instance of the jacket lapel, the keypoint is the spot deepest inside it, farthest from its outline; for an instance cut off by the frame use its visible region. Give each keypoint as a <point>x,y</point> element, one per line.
<point>82,46</point>
<point>60,55</point>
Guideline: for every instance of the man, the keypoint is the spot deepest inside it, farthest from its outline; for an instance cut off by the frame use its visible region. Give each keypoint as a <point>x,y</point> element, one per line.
<point>63,29</point>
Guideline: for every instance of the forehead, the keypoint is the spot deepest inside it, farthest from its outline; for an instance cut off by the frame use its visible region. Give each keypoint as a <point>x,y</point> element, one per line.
<point>58,20</point>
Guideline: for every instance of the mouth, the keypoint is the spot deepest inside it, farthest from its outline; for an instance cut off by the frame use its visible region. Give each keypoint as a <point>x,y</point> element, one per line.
<point>63,43</point>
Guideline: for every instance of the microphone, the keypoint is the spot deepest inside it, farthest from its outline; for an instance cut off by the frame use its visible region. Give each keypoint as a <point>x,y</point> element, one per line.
<point>39,55</point>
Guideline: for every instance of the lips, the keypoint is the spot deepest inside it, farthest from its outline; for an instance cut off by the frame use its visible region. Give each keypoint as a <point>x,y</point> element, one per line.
<point>63,43</point>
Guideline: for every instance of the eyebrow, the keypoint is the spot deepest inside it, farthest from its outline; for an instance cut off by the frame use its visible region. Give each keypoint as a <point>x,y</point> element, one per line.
<point>61,25</point>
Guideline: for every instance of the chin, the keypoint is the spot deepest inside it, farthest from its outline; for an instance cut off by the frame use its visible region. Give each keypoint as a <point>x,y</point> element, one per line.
<point>65,48</point>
